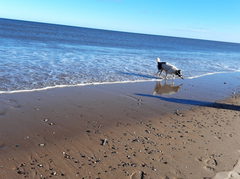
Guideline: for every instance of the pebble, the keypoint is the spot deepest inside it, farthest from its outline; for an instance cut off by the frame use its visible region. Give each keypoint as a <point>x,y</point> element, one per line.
<point>100,126</point>
<point>23,165</point>
<point>104,141</point>
<point>54,173</point>
<point>147,131</point>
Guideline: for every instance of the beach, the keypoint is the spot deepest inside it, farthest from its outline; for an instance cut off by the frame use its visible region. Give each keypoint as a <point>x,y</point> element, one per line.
<point>189,129</point>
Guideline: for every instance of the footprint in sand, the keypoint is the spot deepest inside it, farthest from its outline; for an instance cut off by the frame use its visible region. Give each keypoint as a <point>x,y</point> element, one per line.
<point>12,103</point>
<point>1,144</point>
<point>2,113</point>
<point>211,163</point>
<point>6,104</point>
<point>2,108</point>
<point>138,175</point>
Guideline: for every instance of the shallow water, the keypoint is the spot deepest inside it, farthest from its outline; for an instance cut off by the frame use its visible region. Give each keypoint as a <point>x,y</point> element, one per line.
<point>37,55</point>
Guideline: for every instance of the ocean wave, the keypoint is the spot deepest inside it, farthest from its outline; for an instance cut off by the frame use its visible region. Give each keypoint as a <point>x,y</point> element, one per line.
<point>212,73</point>
<point>49,56</point>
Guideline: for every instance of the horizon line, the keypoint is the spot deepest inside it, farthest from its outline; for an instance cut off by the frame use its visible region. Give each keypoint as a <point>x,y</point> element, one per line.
<point>140,33</point>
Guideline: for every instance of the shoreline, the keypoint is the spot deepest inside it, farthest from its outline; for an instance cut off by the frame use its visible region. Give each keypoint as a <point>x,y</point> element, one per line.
<point>154,79</point>
<point>122,130</point>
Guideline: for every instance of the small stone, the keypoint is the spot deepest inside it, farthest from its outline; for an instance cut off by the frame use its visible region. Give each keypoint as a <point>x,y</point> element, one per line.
<point>104,141</point>
<point>67,156</point>
<point>147,131</point>
<point>54,173</point>
<point>23,165</point>
<point>20,172</point>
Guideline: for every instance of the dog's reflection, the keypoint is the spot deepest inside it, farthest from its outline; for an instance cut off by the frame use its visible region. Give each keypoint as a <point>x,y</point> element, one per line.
<point>165,89</point>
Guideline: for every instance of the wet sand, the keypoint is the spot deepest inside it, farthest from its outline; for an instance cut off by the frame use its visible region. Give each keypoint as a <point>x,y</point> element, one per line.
<point>189,129</point>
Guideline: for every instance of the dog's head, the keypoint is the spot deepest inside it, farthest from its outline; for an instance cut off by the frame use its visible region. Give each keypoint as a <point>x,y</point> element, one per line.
<point>158,59</point>
<point>178,73</point>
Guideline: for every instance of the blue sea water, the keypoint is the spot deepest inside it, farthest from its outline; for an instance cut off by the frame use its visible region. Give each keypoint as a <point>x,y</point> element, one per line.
<point>38,55</point>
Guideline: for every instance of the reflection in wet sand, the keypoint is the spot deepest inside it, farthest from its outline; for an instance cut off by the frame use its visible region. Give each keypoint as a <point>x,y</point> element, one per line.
<point>166,89</point>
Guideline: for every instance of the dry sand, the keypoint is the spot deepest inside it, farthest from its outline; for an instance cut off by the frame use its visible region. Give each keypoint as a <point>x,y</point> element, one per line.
<point>124,131</point>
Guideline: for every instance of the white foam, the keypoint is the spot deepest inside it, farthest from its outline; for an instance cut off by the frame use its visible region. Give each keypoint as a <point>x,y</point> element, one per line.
<point>86,84</point>
<point>207,74</point>
<point>102,83</point>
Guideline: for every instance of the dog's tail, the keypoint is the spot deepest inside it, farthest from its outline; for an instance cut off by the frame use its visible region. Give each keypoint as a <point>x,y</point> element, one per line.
<point>158,59</point>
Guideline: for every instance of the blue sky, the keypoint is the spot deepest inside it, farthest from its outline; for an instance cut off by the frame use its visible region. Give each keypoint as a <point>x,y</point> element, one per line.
<point>201,19</point>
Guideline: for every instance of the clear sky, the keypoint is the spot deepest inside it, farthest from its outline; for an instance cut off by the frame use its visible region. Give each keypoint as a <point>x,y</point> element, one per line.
<point>201,19</point>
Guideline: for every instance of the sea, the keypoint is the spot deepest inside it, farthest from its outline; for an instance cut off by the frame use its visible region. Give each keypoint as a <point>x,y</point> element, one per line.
<point>38,56</point>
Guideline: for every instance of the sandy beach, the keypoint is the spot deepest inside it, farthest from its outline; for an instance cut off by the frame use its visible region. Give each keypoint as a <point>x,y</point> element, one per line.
<point>187,130</point>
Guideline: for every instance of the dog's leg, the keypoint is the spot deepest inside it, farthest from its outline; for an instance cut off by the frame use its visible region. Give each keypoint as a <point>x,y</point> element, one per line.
<point>160,73</point>
<point>166,77</point>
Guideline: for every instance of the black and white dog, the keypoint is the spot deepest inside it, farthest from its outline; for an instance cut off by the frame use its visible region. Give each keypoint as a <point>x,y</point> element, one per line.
<point>168,68</point>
